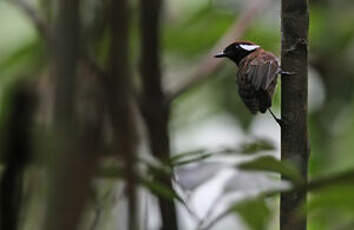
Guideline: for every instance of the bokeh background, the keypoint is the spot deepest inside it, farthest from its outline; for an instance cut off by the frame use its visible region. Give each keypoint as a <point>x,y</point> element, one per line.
<point>208,122</point>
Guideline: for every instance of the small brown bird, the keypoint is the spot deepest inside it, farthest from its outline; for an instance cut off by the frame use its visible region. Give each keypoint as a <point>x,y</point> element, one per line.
<point>257,74</point>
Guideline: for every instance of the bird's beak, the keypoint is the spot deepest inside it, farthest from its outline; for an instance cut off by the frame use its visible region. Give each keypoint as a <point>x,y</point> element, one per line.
<point>220,55</point>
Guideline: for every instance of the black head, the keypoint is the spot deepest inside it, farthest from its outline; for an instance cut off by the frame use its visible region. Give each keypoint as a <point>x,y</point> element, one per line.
<point>237,51</point>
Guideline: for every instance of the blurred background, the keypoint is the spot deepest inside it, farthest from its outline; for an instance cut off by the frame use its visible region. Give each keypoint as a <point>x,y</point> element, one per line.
<point>202,130</point>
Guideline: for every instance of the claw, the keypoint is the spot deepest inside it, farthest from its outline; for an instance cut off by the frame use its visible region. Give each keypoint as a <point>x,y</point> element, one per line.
<point>287,73</point>
<point>280,71</point>
<point>279,121</point>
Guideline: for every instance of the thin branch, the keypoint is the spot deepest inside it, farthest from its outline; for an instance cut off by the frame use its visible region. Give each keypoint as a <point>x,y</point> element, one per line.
<point>209,64</point>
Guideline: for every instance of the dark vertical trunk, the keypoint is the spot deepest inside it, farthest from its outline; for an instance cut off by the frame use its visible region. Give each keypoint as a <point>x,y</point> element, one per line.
<point>75,140</point>
<point>120,102</point>
<point>153,102</point>
<point>16,149</point>
<point>294,133</point>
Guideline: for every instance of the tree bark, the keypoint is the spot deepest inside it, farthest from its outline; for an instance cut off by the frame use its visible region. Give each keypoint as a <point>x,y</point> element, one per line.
<point>16,149</point>
<point>119,98</point>
<point>154,106</point>
<point>294,131</point>
<point>75,140</point>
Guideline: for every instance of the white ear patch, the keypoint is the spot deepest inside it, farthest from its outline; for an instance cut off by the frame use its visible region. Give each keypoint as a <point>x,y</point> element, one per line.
<point>249,47</point>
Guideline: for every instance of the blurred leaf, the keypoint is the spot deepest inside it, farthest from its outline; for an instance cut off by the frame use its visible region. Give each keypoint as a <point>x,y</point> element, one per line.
<point>254,212</point>
<point>193,156</point>
<point>257,146</point>
<point>271,164</point>
<point>249,183</point>
<point>193,160</point>
<point>208,21</point>
<point>152,185</point>
<point>158,170</point>
<point>192,153</point>
<point>340,196</point>
<point>160,189</point>
<point>25,56</point>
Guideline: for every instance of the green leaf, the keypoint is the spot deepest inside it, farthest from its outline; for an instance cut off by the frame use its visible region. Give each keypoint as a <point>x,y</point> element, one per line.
<point>257,146</point>
<point>153,185</point>
<point>160,189</point>
<point>254,212</point>
<point>25,56</point>
<point>180,156</point>
<point>339,196</point>
<point>195,159</point>
<point>189,157</point>
<point>271,164</point>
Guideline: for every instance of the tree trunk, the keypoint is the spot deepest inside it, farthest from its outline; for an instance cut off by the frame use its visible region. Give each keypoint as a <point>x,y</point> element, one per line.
<point>154,107</point>
<point>118,89</point>
<point>16,150</point>
<point>294,132</point>
<point>75,141</point>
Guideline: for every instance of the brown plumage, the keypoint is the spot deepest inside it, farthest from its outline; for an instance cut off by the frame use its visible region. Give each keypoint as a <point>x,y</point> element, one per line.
<point>257,74</point>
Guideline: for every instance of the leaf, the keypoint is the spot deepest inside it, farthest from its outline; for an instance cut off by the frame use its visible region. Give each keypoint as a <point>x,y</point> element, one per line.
<point>193,160</point>
<point>20,58</point>
<point>339,196</point>
<point>249,183</point>
<point>257,146</point>
<point>254,212</point>
<point>160,189</point>
<point>189,157</point>
<point>159,170</point>
<point>186,155</point>
<point>271,164</point>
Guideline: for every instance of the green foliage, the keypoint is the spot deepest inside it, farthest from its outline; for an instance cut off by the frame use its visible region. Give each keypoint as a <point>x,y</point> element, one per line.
<point>189,157</point>
<point>271,164</point>
<point>186,36</point>
<point>338,196</point>
<point>159,189</point>
<point>257,146</point>
<point>248,148</point>
<point>254,212</point>
<point>194,35</point>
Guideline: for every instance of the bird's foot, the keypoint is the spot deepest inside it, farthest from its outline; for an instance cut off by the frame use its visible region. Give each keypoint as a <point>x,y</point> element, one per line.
<point>280,122</point>
<point>285,73</point>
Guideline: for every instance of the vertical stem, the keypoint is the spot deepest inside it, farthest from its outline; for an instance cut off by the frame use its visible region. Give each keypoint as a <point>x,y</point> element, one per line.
<point>75,140</point>
<point>294,132</point>
<point>154,107</point>
<point>16,149</point>
<point>120,102</point>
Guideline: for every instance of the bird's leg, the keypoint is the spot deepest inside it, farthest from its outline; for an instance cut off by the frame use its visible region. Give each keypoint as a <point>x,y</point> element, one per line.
<point>279,121</point>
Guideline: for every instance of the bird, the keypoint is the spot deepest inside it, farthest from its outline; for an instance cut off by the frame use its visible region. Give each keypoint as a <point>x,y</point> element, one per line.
<point>257,75</point>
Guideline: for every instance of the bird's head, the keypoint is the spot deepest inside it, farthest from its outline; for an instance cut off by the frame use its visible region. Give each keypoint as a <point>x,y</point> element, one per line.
<point>238,50</point>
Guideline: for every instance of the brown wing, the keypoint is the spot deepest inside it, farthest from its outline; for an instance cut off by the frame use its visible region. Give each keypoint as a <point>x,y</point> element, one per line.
<point>257,78</point>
